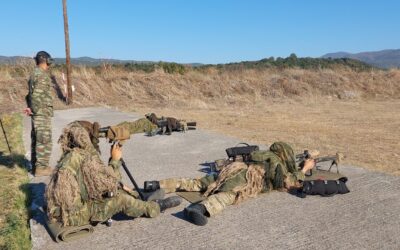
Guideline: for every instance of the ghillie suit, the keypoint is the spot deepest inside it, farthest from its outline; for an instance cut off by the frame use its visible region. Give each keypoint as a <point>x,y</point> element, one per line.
<point>83,189</point>
<point>279,163</point>
<point>167,124</point>
<point>142,125</point>
<point>238,181</point>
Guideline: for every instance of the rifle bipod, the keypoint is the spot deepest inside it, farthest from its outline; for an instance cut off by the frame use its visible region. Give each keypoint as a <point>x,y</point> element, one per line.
<point>132,180</point>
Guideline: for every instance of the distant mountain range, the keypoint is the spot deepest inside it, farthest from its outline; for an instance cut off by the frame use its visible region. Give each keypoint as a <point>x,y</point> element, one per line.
<point>389,58</point>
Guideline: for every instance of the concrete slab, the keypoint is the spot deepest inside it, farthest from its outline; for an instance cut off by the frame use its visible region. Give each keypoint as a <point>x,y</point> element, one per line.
<point>366,218</point>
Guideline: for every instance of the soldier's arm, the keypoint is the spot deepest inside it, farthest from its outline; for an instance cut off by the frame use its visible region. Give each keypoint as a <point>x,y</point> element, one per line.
<point>115,160</point>
<point>292,180</point>
<point>37,89</point>
<point>29,95</point>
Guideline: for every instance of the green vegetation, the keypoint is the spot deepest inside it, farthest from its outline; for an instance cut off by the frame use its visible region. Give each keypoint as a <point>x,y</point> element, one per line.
<point>14,193</point>
<point>145,67</point>
<point>291,61</point>
<point>295,62</point>
<point>172,68</point>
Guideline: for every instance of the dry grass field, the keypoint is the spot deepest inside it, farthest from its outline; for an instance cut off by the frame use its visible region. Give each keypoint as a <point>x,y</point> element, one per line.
<point>367,132</point>
<point>354,112</point>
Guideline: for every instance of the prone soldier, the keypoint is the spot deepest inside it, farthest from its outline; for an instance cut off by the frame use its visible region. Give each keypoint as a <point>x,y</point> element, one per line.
<point>238,181</point>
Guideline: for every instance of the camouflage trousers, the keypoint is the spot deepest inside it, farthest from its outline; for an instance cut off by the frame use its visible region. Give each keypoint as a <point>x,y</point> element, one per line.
<point>214,203</point>
<point>99,211</point>
<point>41,142</point>
<point>142,125</point>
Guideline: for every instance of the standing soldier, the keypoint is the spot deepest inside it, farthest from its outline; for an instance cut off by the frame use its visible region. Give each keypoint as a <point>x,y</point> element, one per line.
<point>40,108</point>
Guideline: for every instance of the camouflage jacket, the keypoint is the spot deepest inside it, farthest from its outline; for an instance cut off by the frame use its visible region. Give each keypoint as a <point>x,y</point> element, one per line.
<point>39,98</point>
<point>277,174</point>
<point>69,182</point>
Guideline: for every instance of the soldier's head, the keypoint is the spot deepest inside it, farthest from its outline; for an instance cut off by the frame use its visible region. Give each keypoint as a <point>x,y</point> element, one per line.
<point>80,134</point>
<point>43,59</point>
<point>285,152</point>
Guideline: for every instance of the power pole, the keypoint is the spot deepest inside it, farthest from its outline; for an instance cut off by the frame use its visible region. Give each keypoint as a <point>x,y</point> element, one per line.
<point>67,53</point>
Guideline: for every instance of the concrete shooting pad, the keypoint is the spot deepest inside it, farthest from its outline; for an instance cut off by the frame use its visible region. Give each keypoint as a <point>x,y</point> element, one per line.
<point>366,218</point>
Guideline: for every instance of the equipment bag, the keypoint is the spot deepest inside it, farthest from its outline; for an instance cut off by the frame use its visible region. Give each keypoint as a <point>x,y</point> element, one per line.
<point>324,187</point>
<point>243,151</point>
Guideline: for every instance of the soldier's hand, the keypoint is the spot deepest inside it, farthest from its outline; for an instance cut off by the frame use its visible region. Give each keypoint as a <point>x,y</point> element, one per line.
<point>27,111</point>
<point>116,152</point>
<point>308,165</point>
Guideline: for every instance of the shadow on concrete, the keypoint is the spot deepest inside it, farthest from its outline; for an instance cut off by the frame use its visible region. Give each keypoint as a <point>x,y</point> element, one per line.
<point>122,217</point>
<point>13,160</point>
<point>207,167</point>
<point>180,215</point>
<point>37,203</point>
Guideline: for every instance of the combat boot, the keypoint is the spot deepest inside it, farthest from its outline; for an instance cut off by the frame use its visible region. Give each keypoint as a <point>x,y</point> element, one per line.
<point>196,214</point>
<point>150,186</point>
<point>169,202</point>
<point>156,195</point>
<point>47,171</point>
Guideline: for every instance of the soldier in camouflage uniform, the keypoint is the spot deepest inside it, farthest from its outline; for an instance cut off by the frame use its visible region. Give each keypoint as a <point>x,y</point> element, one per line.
<point>239,181</point>
<point>142,125</point>
<point>83,190</point>
<point>40,108</point>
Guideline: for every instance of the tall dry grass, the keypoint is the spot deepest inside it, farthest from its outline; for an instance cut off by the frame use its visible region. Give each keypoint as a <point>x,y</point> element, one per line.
<point>331,110</point>
<point>211,89</point>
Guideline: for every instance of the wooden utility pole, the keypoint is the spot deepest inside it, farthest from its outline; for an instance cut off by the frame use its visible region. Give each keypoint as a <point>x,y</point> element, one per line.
<point>67,53</point>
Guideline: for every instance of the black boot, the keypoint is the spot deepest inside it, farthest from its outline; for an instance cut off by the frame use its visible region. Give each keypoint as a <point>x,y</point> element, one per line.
<point>150,186</point>
<point>196,214</point>
<point>169,202</point>
<point>155,195</point>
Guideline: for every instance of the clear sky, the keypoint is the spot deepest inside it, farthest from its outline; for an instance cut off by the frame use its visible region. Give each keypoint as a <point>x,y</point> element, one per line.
<point>205,31</point>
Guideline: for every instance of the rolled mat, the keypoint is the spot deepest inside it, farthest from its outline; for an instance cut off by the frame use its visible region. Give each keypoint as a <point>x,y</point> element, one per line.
<point>192,197</point>
<point>60,233</point>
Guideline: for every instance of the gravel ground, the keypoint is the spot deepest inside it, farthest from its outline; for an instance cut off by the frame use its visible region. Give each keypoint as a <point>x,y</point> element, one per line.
<point>366,218</point>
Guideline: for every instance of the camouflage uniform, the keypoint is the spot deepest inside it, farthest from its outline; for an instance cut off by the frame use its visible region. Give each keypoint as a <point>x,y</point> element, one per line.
<point>83,190</point>
<point>278,173</point>
<point>142,125</point>
<point>40,101</point>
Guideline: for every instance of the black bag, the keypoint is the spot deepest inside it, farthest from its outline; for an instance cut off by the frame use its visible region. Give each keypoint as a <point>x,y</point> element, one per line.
<point>324,187</point>
<point>243,151</point>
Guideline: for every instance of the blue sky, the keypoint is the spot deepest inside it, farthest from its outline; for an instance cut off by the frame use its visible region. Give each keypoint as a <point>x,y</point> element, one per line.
<point>205,31</point>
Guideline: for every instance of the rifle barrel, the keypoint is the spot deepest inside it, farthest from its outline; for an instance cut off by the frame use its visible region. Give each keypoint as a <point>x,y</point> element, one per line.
<point>325,158</point>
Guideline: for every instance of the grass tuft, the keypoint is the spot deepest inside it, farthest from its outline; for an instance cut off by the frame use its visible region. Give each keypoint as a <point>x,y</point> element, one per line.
<point>14,192</point>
